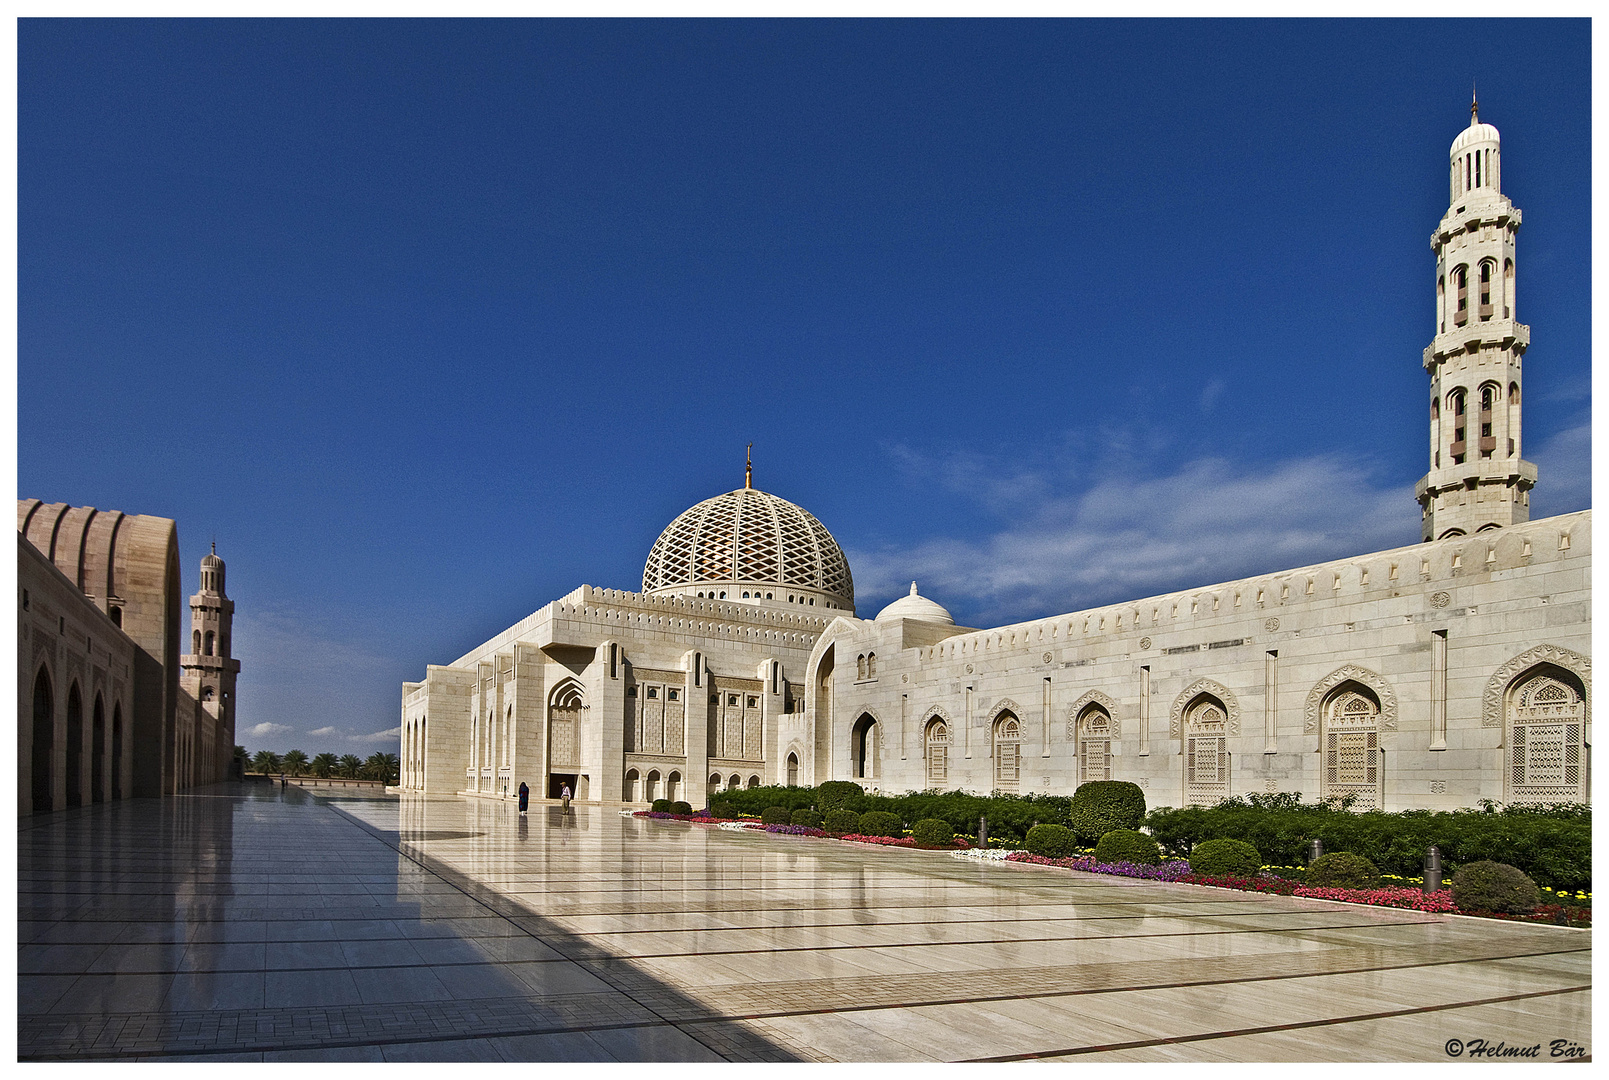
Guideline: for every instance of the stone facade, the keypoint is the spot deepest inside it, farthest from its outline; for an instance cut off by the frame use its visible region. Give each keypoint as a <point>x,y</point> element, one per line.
<point>1431,676</point>
<point>111,581</point>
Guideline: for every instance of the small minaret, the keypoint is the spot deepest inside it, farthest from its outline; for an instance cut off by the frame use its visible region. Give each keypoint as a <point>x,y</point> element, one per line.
<point>1477,479</point>
<point>209,669</point>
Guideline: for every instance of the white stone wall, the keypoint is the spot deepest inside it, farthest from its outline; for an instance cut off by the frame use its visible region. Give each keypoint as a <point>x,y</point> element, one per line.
<point>1494,596</point>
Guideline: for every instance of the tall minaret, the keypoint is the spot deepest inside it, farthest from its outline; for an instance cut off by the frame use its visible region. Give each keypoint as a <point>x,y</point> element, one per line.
<point>1476,479</point>
<point>210,670</point>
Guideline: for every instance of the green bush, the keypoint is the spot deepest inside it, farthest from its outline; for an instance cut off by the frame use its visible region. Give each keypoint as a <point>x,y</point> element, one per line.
<point>1010,816</point>
<point>839,822</point>
<point>1494,886</point>
<point>881,823</point>
<point>1051,841</point>
<point>1099,806</point>
<point>838,795</point>
<point>1553,845</point>
<point>679,807</point>
<point>750,801</point>
<point>1225,858</point>
<point>775,815</point>
<point>1127,845</point>
<point>932,832</point>
<point>660,806</point>
<point>808,818</point>
<point>1342,870</point>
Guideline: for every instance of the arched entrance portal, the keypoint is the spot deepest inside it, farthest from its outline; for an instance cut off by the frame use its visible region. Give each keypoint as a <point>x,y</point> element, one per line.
<point>863,749</point>
<point>44,750</point>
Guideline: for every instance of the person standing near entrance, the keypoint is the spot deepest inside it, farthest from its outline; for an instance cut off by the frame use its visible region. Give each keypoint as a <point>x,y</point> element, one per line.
<point>564,797</point>
<point>525,797</point>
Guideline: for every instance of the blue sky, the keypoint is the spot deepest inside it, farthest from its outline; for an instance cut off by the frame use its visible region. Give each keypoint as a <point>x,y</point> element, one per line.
<point>429,322</point>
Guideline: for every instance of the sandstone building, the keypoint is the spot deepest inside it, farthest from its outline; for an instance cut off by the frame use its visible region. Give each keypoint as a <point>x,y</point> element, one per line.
<point>109,707</point>
<point>1428,676</point>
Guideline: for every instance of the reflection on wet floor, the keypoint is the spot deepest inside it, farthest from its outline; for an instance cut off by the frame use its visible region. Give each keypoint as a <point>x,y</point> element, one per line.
<point>253,923</point>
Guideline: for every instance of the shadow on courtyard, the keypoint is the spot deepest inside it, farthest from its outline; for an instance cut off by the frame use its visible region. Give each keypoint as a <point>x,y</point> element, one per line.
<point>250,922</point>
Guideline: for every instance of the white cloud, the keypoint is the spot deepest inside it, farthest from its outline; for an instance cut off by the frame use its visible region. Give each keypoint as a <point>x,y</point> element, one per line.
<point>1129,535</point>
<point>388,735</point>
<point>264,731</point>
<point>325,731</point>
<point>1563,471</point>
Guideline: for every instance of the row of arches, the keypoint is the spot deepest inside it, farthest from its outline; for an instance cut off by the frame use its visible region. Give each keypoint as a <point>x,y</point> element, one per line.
<point>647,789</point>
<point>1496,424</point>
<point>414,742</point>
<point>57,781</point>
<point>866,666</point>
<point>1546,758</point>
<point>1493,297</point>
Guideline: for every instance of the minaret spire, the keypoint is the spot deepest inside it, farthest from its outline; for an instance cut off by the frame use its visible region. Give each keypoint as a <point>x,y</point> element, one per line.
<point>1474,107</point>
<point>748,467</point>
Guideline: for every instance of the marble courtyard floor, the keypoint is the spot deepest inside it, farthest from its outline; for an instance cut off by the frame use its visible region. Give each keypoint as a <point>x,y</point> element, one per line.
<point>247,923</point>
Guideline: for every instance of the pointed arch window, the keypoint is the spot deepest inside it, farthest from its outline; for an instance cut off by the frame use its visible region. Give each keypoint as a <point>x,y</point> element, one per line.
<point>1094,744</point>
<point>1007,752</point>
<point>1206,751</point>
<point>937,742</point>
<point>1352,754</point>
<point>1461,295</point>
<point>1547,757</point>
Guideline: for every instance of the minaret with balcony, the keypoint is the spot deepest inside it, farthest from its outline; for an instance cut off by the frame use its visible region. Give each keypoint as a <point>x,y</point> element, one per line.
<point>1477,479</point>
<point>209,675</point>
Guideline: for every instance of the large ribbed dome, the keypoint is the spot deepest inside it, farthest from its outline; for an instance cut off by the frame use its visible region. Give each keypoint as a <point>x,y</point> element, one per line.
<point>751,538</point>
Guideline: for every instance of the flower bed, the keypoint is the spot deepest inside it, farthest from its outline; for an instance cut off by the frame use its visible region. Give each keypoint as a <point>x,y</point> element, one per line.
<point>1388,896</point>
<point>885,841</point>
<point>1168,871</point>
<point>795,830</point>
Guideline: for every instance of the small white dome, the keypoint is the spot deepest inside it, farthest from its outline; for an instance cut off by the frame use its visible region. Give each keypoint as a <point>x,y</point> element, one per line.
<point>1474,133</point>
<point>915,607</point>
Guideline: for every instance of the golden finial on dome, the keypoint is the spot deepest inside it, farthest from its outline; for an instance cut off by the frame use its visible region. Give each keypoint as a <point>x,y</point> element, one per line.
<point>748,468</point>
<point>1474,107</point>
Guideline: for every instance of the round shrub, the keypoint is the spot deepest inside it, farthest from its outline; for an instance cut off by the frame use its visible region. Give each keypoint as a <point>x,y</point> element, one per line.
<point>932,832</point>
<point>1342,870</point>
<point>1051,841</point>
<point>808,818</point>
<point>836,795</point>
<point>1099,806</point>
<point>775,815</point>
<point>1225,858</point>
<point>679,807</point>
<point>1494,886</point>
<point>881,823</point>
<point>1127,845</point>
<point>660,806</point>
<point>839,822</point>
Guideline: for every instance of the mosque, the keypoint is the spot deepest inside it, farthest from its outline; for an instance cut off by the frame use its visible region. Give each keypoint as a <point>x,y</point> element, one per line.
<point>1430,676</point>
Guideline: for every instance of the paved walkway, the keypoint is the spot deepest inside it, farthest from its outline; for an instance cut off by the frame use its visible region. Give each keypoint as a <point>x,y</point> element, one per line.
<point>248,923</point>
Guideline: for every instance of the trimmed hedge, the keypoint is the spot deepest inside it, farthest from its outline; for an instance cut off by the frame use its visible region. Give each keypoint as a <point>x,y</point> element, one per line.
<point>932,832</point>
<point>750,801</point>
<point>808,818</point>
<point>1553,845</point>
<point>1494,886</point>
<point>660,806</point>
<point>839,822</point>
<point>881,823</point>
<point>1224,857</point>
<point>838,795</point>
<point>1099,806</point>
<point>776,815</point>
<point>1342,870</point>
<point>1052,841</point>
<point>1127,845</point>
<point>1010,816</point>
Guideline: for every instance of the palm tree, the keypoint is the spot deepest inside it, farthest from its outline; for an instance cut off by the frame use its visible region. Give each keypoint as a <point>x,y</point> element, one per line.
<point>350,764</point>
<point>385,767</point>
<point>323,765</point>
<point>265,761</point>
<point>294,762</point>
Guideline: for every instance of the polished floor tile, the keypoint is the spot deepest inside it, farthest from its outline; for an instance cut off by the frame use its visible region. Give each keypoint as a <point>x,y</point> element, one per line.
<point>247,923</point>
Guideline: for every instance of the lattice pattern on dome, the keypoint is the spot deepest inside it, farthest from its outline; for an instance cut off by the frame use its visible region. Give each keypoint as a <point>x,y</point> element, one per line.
<point>748,535</point>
